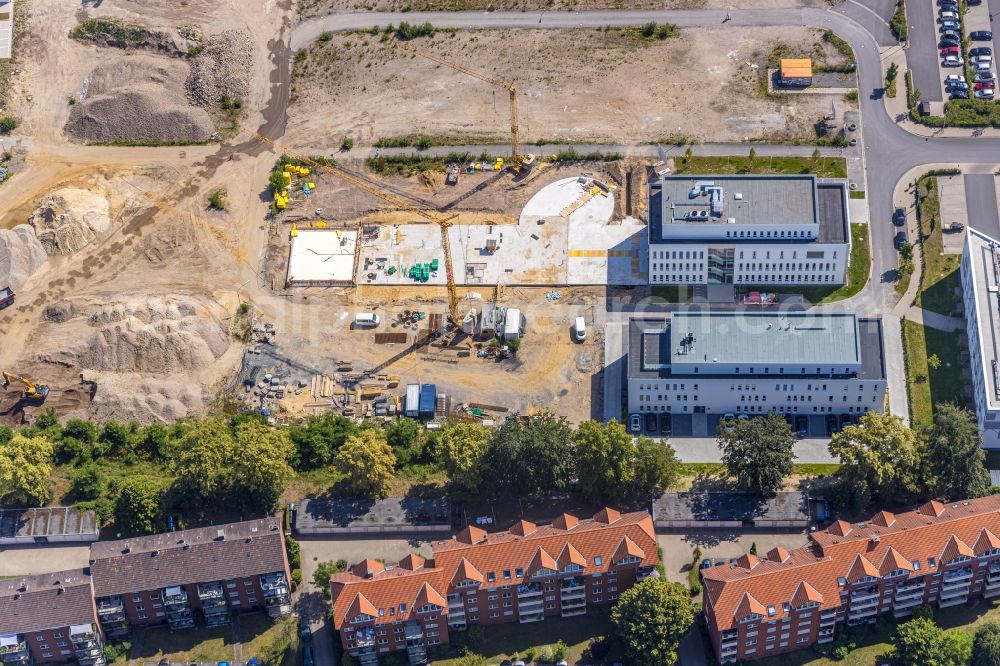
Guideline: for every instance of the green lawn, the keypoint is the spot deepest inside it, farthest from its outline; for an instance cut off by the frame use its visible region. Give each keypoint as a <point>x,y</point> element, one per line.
<point>857,194</point>
<point>857,274</point>
<point>940,280</point>
<point>824,167</point>
<point>503,641</point>
<point>259,636</point>
<point>930,387</point>
<point>877,639</point>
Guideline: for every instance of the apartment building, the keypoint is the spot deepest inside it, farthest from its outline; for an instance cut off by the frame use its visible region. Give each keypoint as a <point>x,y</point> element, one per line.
<point>199,575</point>
<point>49,619</point>
<point>526,574</point>
<point>938,554</point>
<point>748,230</point>
<point>748,363</point>
<point>981,297</point>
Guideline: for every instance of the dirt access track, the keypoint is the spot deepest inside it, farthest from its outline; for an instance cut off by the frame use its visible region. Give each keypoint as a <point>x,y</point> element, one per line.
<point>586,85</point>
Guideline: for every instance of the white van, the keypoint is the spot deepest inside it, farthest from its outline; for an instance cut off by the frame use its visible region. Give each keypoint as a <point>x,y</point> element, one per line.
<point>579,330</point>
<point>366,320</point>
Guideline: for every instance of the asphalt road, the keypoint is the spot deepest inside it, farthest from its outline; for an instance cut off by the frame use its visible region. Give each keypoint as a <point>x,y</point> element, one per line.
<point>922,54</point>
<point>981,204</point>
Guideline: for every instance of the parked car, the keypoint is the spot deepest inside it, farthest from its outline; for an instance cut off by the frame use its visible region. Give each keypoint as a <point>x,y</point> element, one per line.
<point>949,25</point>
<point>666,424</point>
<point>982,85</point>
<point>956,86</point>
<point>651,423</point>
<point>944,15</point>
<point>982,58</point>
<point>900,240</point>
<point>946,2</point>
<point>981,51</point>
<point>705,564</point>
<point>899,217</point>
<point>831,423</point>
<point>981,35</point>
<point>949,7</point>
<point>956,78</point>
<point>981,66</point>
<point>949,51</point>
<point>949,41</point>
<point>952,61</point>
<point>954,227</point>
<point>973,3</point>
<point>801,425</point>
<point>635,423</point>
<point>959,94</point>
<point>951,34</point>
<point>985,93</point>
<point>985,77</point>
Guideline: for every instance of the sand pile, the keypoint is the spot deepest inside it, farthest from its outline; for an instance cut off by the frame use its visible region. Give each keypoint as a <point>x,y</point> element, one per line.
<point>139,98</point>
<point>151,400</point>
<point>222,69</point>
<point>69,219</point>
<point>20,256</point>
<point>155,335</point>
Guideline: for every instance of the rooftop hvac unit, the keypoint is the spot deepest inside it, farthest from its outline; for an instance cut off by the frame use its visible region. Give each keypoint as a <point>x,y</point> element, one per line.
<point>738,196</point>
<point>730,220</point>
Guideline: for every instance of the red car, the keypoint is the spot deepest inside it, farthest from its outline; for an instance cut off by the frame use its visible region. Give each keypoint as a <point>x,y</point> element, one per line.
<point>985,86</point>
<point>951,50</point>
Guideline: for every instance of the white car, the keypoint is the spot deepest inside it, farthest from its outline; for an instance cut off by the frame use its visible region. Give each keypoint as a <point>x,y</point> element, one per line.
<point>579,330</point>
<point>983,58</point>
<point>981,66</point>
<point>985,93</point>
<point>954,78</point>
<point>947,16</point>
<point>953,61</point>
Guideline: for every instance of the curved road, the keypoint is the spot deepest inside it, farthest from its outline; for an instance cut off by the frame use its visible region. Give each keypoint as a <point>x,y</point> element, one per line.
<point>889,150</point>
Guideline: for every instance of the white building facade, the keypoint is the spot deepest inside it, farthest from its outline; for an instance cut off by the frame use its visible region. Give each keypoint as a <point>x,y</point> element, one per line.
<point>981,297</point>
<point>748,230</point>
<point>790,363</point>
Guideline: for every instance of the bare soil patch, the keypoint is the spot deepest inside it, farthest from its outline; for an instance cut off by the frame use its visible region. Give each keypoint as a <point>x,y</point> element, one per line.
<point>608,86</point>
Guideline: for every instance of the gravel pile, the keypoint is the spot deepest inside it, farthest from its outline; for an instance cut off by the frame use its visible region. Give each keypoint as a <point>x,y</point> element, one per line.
<point>222,69</point>
<point>137,99</point>
<point>21,254</point>
<point>69,219</point>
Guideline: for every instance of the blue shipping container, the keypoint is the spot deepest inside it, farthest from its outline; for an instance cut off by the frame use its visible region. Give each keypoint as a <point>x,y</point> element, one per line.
<point>428,400</point>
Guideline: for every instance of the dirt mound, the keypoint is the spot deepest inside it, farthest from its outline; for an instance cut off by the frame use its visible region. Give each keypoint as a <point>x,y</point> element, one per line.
<point>163,400</point>
<point>116,33</point>
<point>69,219</point>
<point>222,69</point>
<point>136,99</point>
<point>21,254</point>
<point>156,335</point>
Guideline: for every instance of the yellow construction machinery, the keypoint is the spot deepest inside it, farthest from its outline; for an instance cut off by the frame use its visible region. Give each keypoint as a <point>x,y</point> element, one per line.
<point>33,393</point>
<point>371,188</point>
<point>520,160</point>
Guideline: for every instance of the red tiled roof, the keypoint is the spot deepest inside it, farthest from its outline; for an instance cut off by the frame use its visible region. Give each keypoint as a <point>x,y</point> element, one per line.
<point>504,556</point>
<point>523,528</point>
<point>361,605</point>
<point>428,595</point>
<point>883,518</point>
<point>470,535</point>
<point>368,568</point>
<point>747,561</point>
<point>541,560</point>
<point>749,606</point>
<point>804,594</point>
<point>986,541</point>
<point>778,554</point>
<point>607,515</point>
<point>934,531</point>
<point>412,562</point>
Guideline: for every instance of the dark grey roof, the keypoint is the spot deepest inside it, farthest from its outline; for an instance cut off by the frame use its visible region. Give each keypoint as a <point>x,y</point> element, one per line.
<point>47,522</point>
<point>706,506</point>
<point>832,211</point>
<point>205,554</point>
<point>35,603</point>
<point>392,511</point>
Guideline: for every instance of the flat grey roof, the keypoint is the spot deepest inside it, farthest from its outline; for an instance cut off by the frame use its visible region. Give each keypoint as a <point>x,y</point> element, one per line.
<point>763,199</point>
<point>739,337</point>
<point>833,218</point>
<point>706,506</point>
<point>987,292</point>
<point>391,511</point>
<point>47,522</point>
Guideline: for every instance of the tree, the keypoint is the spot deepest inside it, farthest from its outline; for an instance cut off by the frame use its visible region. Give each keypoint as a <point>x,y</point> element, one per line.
<point>920,641</point>
<point>137,506</point>
<point>25,469</point>
<point>528,454</point>
<point>154,440</point>
<point>933,362</point>
<point>656,467</point>
<point>318,440</point>
<point>605,456</point>
<point>406,437</point>
<point>955,456</point>
<point>651,617</point>
<point>204,461</point>
<point>757,452</point>
<point>115,437</point>
<point>368,463</point>
<point>986,645</point>
<point>321,576</point>
<point>78,429</point>
<point>260,468</point>
<point>86,483</point>
<point>880,458</point>
<point>462,446</point>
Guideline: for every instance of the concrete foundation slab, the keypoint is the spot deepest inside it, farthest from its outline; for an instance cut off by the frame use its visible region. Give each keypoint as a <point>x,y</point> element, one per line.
<point>322,257</point>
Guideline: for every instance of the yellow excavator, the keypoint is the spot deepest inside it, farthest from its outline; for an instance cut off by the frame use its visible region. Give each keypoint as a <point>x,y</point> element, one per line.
<point>33,393</point>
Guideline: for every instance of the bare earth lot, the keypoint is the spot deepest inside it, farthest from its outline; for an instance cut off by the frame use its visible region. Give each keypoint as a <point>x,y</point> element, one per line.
<point>607,86</point>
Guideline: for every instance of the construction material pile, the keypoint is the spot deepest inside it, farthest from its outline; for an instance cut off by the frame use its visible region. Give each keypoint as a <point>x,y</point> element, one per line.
<point>138,99</point>
<point>20,256</point>
<point>222,70</point>
<point>69,219</point>
<point>156,335</point>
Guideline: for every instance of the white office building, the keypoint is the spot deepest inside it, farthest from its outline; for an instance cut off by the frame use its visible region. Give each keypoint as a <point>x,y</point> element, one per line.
<point>981,297</point>
<point>6,28</point>
<point>748,230</point>
<point>792,363</point>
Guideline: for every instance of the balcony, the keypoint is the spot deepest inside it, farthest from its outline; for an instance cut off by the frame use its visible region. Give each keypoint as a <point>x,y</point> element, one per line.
<point>364,638</point>
<point>210,591</point>
<point>110,606</point>
<point>868,602</point>
<point>573,612</point>
<point>14,648</point>
<point>573,603</point>
<point>864,595</point>
<point>413,631</point>
<point>274,584</point>
<point>531,616</point>
<point>529,590</point>
<point>529,604</point>
<point>862,614</point>
<point>175,597</point>
<point>956,576</point>
<point>367,657</point>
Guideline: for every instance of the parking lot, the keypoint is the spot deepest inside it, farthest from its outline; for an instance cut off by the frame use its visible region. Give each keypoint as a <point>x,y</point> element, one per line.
<point>706,425</point>
<point>928,36</point>
<point>719,546</point>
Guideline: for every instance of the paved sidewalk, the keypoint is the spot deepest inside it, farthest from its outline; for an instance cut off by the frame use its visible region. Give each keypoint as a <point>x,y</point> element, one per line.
<point>706,450</point>
<point>934,320</point>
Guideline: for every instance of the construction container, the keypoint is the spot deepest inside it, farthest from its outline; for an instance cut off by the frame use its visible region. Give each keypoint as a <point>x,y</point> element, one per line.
<point>513,324</point>
<point>428,401</point>
<point>411,407</point>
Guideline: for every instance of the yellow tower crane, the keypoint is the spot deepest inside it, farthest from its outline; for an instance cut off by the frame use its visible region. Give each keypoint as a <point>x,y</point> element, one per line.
<point>443,222</point>
<point>521,160</point>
